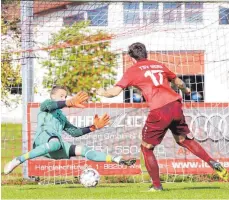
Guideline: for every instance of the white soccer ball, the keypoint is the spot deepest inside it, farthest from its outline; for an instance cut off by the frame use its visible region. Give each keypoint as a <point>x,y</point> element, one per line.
<point>89,177</point>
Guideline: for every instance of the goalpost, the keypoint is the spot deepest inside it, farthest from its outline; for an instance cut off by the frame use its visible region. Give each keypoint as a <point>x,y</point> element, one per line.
<point>83,45</point>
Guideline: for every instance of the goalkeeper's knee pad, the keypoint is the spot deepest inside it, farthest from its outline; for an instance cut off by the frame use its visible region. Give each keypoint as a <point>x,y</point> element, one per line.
<point>53,145</point>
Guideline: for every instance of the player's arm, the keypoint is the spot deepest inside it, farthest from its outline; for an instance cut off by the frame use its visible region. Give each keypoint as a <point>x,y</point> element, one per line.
<point>117,89</point>
<point>176,81</point>
<point>112,92</point>
<point>74,131</point>
<point>99,122</point>
<point>76,101</point>
<point>181,85</point>
<point>50,105</point>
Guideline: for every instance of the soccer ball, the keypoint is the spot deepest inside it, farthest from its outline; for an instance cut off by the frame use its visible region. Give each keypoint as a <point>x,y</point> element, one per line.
<point>89,177</point>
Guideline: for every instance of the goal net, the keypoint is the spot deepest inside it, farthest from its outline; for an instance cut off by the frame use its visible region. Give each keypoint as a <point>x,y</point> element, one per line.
<point>83,45</point>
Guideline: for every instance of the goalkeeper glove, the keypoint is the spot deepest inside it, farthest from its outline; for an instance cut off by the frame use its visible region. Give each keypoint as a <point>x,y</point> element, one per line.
<point>77,100</point>
<point>100,122</point>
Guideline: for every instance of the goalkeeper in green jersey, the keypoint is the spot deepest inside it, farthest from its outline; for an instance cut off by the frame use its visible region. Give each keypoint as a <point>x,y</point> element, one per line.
<point>51,122</point>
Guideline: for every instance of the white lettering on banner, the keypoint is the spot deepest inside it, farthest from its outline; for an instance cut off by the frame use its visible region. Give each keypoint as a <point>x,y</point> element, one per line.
<point>81,121</point>
<point>114,166</point>
<point>122,120</point>
<point>108,136</point>
<point>100,148</point>
<point>117,166</point>
<point>187,165</point>
<point>126,150</point>
<point>118,120</point>
<point>202,126</point>
<point>60,167</point>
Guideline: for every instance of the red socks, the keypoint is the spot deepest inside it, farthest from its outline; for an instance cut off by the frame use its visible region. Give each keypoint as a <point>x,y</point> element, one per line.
<point>196,149</point>
<point>151,166</point>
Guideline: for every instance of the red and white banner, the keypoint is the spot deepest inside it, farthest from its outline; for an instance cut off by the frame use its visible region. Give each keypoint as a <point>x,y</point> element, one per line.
<point>208,122</point>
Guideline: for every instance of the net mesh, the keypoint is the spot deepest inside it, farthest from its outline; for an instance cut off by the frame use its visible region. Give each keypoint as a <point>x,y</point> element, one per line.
<point>83,45</point>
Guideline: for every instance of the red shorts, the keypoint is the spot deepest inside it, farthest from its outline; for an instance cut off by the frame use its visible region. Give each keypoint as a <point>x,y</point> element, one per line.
<point>160,120</point>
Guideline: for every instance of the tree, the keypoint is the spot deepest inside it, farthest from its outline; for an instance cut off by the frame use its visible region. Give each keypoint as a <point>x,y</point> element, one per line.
<point>10,67</point>
<point>80,59</point>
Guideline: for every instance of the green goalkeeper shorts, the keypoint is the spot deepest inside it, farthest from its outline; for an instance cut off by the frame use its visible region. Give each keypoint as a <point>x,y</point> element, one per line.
<point>63,153</point>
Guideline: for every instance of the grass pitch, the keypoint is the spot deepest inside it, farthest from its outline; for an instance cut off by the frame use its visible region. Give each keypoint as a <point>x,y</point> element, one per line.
<point>118,191</point>
<point>11,147</point>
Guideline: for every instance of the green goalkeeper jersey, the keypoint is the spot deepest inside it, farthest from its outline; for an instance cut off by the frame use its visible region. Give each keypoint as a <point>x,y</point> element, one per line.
<point>52,121</point>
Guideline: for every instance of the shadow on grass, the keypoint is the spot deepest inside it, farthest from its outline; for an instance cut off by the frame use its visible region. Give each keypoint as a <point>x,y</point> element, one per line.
<point>201,188</point>
<point>21,189</point>
<point>195,188</point>
<point>102,186</point>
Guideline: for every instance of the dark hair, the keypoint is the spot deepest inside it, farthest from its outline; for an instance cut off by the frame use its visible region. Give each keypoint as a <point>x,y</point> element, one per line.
<point>137,51</point>
<point>58,87</point>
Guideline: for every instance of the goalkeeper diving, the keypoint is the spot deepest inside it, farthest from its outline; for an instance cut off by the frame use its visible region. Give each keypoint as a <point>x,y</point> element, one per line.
<point>52,122</point>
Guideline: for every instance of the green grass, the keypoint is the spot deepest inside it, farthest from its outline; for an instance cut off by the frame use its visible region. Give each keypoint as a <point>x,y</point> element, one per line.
<point>118,191</point>
<point>11,146</point>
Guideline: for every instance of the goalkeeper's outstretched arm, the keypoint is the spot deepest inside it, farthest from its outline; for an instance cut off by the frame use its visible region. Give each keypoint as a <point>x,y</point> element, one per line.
<point>75,131</point>
<point>50,105</point>
<point>99,122</point>
<point>76,101</point>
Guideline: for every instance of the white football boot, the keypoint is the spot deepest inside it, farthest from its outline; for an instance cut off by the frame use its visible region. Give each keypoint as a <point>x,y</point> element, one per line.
<point>10,166</point>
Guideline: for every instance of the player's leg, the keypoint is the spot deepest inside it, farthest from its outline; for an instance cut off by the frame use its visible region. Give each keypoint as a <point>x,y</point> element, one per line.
<point>194,147</point>
<point>151,166</point>
<point>152,134</point>
<point>182,136</point>
<point>90,154</point>
<point>52,145</point>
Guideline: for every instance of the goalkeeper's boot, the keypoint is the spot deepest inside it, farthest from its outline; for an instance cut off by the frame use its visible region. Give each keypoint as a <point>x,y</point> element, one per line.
<point>220,170</point>
<point>127,162</point>
<point>155,189</point>
<point>10,166</point>
<point>121,161</point>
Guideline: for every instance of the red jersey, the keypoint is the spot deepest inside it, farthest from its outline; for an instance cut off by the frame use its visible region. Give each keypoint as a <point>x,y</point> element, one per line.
<point>152,78</point>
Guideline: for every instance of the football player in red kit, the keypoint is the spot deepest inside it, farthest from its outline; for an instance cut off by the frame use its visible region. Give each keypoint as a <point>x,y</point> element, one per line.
<point>153,79</point>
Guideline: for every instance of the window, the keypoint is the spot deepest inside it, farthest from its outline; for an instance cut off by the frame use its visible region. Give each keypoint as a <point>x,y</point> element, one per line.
<point>140,13</point>
<point>193,12</point>
<point>133,95</point>
<point>144,13</point>
<point>75,18</point>
<point>191,71</point>
<point>196,84</point>
<point>97,17</point>
<point>150,13</point>
<point>16,89</point>
<point>131,13</point>
<point>223,15</point>
<point>171,12</point>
